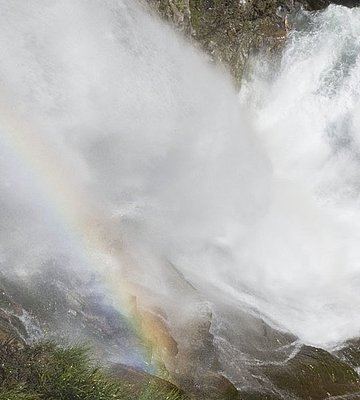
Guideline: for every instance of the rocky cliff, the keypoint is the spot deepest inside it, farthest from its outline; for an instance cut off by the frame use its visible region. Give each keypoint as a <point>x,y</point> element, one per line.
<point>229,31</point>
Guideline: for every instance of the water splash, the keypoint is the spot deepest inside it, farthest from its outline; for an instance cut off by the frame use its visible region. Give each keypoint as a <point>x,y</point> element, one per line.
<point>254,205</point>
<point>307,117</point>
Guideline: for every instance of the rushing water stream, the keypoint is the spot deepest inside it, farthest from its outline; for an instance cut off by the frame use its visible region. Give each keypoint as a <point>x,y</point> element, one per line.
<point>244,206</point>
<point>307,118</point>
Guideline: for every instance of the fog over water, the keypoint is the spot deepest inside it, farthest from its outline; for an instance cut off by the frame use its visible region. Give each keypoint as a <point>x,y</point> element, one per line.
<point>106,114</point>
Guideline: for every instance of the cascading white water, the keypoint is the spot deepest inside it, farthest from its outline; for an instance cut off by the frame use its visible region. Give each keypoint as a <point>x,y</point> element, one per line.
<point>307,119</point>
<point>255,200</point>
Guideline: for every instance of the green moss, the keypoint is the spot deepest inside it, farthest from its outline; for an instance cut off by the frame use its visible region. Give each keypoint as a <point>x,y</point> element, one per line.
<point>17,395</point>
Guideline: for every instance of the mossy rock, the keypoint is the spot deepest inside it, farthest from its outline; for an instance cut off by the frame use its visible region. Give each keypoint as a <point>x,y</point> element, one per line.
<point>215,386</point>
<point>350,353</point>
<point>314,374</point>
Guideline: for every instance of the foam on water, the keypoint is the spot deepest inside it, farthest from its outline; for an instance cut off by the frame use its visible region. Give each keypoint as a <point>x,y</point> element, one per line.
<point>307,118</point>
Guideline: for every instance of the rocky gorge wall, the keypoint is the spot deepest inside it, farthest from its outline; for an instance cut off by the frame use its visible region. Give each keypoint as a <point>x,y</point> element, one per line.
<point>272,364</point>
<point>229,31</point>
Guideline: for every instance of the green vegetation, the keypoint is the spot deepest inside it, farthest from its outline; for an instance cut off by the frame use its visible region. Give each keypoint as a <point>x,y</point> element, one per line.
<point>46,371</point>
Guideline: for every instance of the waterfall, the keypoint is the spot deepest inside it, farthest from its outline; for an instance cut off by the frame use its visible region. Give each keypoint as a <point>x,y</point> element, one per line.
<point>251,198</point>
<point>306,116</point>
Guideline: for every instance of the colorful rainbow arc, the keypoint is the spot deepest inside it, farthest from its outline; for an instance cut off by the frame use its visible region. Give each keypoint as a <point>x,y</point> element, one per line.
<point>82,219</point>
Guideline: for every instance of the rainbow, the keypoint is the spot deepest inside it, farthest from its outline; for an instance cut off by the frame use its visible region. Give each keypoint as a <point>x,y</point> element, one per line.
<point>88,226</point>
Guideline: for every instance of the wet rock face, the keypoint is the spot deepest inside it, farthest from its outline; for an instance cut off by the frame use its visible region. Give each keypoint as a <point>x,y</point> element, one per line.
<point>240,358</point>
<point>227,30</point>
<point>10,328</point>
<point>139,379</point>
<point>63,307</point>
<point>314,374</point>
<point>230,30</point>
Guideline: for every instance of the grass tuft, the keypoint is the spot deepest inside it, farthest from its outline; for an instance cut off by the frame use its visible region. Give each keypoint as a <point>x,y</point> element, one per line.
<point>46,371</point>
